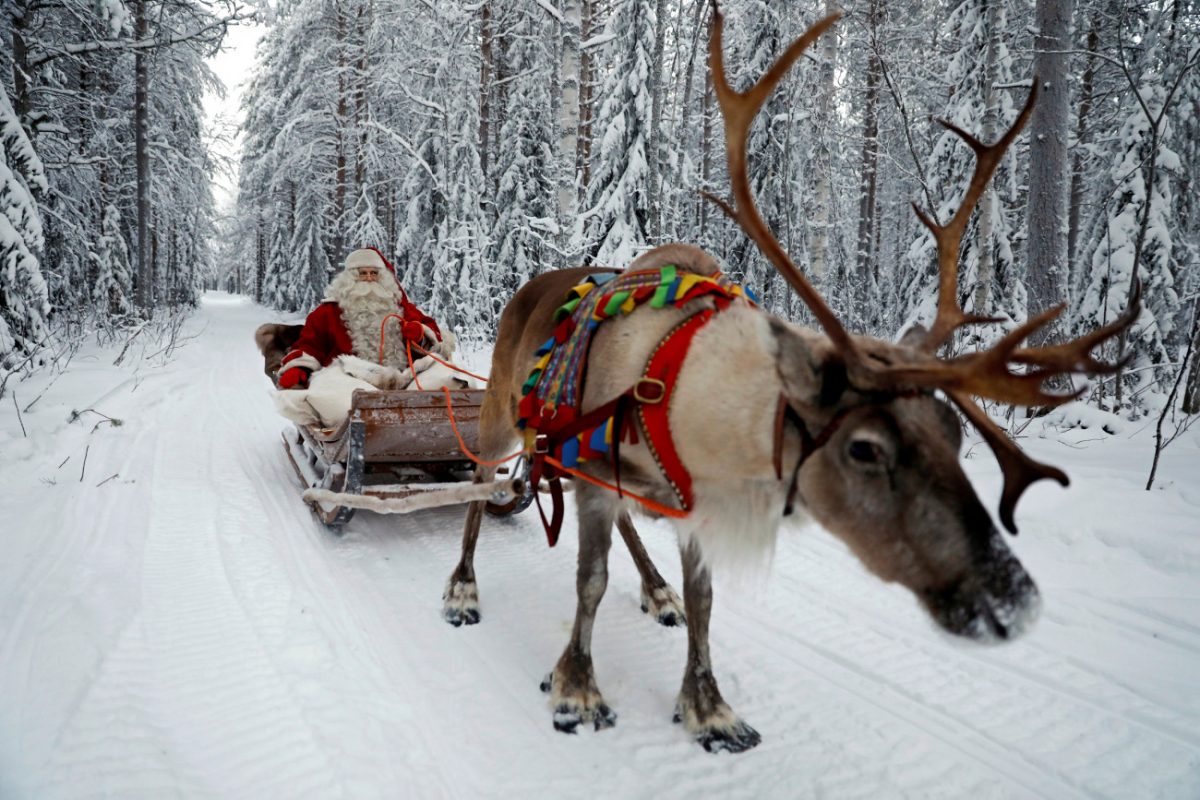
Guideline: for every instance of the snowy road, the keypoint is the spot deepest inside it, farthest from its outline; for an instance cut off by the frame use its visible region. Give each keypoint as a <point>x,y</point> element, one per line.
<point>187,629</point>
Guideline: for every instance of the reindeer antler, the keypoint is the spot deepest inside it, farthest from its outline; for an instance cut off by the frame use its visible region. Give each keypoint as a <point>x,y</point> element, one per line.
<point>950,315</point>
<point>738,110</point>
<point>990,373</point>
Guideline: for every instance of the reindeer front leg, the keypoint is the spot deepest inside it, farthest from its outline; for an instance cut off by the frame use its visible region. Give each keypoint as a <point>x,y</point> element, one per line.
<point>572,685</point>
<point>700,706</point>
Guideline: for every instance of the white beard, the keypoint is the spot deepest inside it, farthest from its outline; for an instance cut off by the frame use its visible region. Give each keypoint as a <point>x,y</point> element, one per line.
<point>364,305</point>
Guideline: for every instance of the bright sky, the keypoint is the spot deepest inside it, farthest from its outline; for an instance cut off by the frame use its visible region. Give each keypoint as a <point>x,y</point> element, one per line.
<point>223,115</point>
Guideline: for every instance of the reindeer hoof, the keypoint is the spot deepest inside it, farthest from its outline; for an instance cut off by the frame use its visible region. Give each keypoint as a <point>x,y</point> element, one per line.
<point>460,603</point>
<point>568,717</point>
<point>577,704</point>
<point>459,618</point>
<point>720,730</point>
<point>736,739</point>
<point>664,605</point>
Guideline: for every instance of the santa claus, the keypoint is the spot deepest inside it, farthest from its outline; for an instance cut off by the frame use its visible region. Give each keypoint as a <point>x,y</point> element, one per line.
<point>351,321</point>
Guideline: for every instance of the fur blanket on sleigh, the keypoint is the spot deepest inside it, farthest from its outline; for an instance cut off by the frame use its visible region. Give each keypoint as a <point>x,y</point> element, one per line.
<point>327,400</point>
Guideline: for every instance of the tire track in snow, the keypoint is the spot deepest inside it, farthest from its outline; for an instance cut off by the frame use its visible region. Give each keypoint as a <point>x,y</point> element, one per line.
<point>190,665</point>
<point>304,606</point>
<point>1103,745</point>
<point>494,668</point>
<point>1040,669</point>
<point>638,666</point>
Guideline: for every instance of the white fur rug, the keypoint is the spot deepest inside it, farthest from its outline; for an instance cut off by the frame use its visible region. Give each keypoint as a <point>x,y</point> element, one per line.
<point>326,401</point>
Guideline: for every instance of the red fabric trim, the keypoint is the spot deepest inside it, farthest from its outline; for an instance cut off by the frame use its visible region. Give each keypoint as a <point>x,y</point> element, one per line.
<point>665,363</point>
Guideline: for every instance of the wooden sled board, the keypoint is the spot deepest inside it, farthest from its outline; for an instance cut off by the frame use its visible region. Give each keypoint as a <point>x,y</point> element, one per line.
<point>403,426</point>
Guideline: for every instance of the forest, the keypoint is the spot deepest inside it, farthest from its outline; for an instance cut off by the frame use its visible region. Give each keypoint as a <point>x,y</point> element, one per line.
<point>482,143</point>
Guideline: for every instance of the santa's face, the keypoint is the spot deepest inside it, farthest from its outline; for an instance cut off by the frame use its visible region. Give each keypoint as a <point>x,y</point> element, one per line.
<point>372,293</point>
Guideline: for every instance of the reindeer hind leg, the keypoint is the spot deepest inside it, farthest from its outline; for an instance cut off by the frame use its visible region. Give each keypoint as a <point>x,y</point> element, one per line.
<point>659,600</point>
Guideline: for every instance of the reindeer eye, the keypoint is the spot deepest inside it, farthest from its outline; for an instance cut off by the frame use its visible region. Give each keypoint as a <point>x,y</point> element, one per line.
<point>864,451</point>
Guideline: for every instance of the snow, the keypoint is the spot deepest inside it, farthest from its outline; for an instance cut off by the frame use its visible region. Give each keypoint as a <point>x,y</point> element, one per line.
<point>173,621</point>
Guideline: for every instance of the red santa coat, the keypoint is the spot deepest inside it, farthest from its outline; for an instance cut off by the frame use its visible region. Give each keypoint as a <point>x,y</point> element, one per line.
<point>325,336</point>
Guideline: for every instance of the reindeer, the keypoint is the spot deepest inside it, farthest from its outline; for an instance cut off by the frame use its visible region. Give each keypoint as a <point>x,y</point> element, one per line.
<point>871,450</point>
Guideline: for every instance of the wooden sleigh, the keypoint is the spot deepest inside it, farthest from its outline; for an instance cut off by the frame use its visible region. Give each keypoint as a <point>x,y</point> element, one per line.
<point>396,452</point>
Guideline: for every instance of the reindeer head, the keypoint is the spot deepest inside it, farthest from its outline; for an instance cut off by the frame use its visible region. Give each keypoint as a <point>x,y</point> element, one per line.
<point>881,467</point>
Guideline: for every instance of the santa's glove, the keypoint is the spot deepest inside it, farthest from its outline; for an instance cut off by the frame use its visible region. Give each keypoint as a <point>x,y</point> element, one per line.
<point>413,331</point>
<point>294,378</point>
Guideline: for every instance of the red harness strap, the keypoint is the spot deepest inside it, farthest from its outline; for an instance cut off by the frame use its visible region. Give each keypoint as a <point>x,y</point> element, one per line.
<point>652,395</point>
<point>660,375</point>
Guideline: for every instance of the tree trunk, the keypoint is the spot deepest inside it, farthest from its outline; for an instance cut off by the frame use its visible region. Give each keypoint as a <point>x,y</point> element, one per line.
<point>1191,390</point>
<point>1048,176</point>
<point>706,146</point>
<point>685,123</point>
<point>583,152</point>
<point>19,14</point>
<point>654,84</point>
<point>485,87</point>
<point>822,162</point>
<point>867,181</point>
<point>260,257</point>
<point>1082,120</point>
<point>141,124</point>
<point>568,123</point>
<point>986,269</point>
<point>361,112</point>
<point>337,241</point>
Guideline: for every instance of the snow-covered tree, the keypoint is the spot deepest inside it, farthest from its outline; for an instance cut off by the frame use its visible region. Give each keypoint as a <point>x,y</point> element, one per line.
<point>1120,254</point>
<point>114,276</point>
<point>24,304</point>
<point>525,218</point>
<point>613,224</point>
<point>989,280</point>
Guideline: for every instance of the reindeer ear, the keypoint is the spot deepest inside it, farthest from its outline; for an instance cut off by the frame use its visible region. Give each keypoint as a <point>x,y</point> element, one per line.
<point>812,372</point>
<point>914,336</point>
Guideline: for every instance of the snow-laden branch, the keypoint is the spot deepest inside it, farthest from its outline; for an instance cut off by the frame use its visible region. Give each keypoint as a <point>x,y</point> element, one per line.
<point>423,101</point>
<point>597,41</point>
<point>405,144</point>
<point>551,10</point>
<point>137,44</point>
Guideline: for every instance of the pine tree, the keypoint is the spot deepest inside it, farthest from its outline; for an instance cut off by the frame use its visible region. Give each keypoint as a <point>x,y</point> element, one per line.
<point>114,276</point>
<point>989,283</point>
<point>24,303</point>
<point>614,224</point>
<point>1106,289</point>
<point>525,225</point>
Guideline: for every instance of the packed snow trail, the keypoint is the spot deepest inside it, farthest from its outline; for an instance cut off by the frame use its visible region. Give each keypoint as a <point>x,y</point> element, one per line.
<point>186,628</point>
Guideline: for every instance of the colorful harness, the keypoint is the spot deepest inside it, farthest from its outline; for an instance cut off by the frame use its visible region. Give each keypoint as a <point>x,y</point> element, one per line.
<point>549,410</point>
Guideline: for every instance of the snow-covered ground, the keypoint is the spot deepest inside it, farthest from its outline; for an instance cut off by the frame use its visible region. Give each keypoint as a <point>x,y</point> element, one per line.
<point>174,622</point>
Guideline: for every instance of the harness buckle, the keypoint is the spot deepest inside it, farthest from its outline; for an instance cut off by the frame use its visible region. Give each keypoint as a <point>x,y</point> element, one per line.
<point>658,390</point>
<point>541,444</point>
